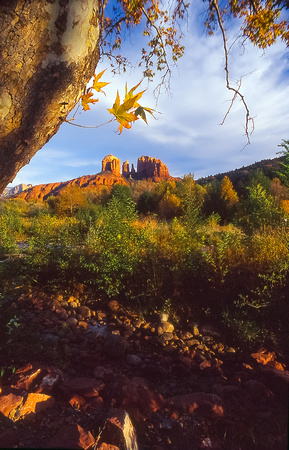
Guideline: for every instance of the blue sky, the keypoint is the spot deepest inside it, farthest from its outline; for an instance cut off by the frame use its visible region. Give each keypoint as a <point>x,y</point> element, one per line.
<point>186,136</point>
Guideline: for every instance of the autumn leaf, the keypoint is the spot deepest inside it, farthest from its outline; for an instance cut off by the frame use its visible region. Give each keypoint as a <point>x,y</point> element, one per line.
<point>86,98</point>
<point>98,85</point>
<point>140,111</point>
<point>122,112</point>
<point>130,94</point>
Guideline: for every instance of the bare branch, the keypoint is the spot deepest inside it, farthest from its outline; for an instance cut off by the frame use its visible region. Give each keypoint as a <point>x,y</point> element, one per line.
<point>86,126</point>
<point>249,121</point>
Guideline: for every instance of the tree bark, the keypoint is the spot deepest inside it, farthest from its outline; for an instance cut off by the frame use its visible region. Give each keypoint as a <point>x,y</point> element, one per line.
<point>48,52</point>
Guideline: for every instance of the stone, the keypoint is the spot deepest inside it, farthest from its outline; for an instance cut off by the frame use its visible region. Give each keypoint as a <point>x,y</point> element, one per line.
<point>135,394</point>
<point>211,330</point>
<point>133,360</point>
<point>113,305</point>
<point>50,339</point>
<point>259,391</point>
<point>209,405</point>
<point>105,446</point>
<point>72,321</point>
<point>72,436</point>
<point>77,402</point>
<point>148,167</point>
<point>165,327</point>
<point>115,346</point>
<point>50,381</point>
<point>9,404</point>
<point>119,431</point>
<point>231,350</point>
<point>163,317</point>
<point>195,330</point>
<point>111,164</point>
<point>84,311</point>
<point>25,377</point>
<point>82,386</point>
<point>167,336</point>
<point>35,403</point>
<point>103,372</point>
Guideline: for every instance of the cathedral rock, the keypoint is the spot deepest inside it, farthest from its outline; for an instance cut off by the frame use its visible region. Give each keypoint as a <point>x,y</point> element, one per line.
<point>147,167</point>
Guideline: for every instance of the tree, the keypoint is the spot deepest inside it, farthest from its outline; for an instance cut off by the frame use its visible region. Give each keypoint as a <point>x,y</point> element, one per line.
<point>50,48</point>
<point>49,52</point>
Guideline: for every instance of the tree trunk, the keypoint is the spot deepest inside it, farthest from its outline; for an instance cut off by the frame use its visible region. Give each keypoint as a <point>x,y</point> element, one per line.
<point>48,52</point>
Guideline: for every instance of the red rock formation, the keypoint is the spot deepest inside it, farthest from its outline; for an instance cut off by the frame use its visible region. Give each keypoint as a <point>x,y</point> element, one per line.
<point>89,182</point>
<point>111,164</point>
<point>125,169</point>
<point>148,167</point>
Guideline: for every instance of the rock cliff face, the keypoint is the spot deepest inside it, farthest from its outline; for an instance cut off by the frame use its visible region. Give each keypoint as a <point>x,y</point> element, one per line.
<point>89,182</point>
<point>111,164</point>
<point>147,167</point>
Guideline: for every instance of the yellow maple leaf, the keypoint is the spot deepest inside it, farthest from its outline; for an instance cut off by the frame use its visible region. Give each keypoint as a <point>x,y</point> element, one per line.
<point>122,112</point>
<point>98,85</point>
<point>130,94</point>
<point>86,98</point>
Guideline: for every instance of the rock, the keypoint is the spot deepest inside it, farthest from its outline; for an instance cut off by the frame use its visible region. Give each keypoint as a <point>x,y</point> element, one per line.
<point>119,431</point>
<point>258,391</point>
<point>167,336</point>
<point>50,381</point>
<point>195,330</point>
<point>84,311</point>
<point>154,372</point>
<point>111,164</point>
<point>148,167</point>
<point>105,446</point>
<point>192,342</point>
<point>133,360</point>
<point>76,401</point>
<point>210,330</point>
<point>9,404</point>
<point>186,335</point>
<point>83,386</point>
<point>113,305</point>
<point>115,346</point>
<point>165,327</point>
<point>209,405</point>
<point>72,321</point>
<point>83,324</point>
<point>231,350</point>
<point>35,403</point>
<point>25,377</point>
<point>50,339</point>
<point>163,317</point>
<point>103,372</point>
<point>135,394</point>
<point>72,436</point>
<point>96,403</point>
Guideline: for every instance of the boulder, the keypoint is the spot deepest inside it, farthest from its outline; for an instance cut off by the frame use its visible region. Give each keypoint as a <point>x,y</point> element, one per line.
<point>119,431</point>
<point>208,405</point>
<point>72,436</point>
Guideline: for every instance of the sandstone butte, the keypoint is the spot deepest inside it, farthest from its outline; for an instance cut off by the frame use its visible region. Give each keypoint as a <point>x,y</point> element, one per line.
<point>147,168</point>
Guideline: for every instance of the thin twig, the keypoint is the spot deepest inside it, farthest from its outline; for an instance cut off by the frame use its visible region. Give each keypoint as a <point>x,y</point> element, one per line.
<point>249,120</point>
<point>85,126</point>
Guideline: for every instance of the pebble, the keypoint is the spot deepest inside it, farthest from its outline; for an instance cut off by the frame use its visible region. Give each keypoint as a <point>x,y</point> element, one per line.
<point>133,360</point>
<point>113,305</point>
<point>163,317</point>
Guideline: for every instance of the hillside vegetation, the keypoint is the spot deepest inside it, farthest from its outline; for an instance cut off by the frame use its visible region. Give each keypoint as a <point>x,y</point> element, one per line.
<point>212,251</point>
